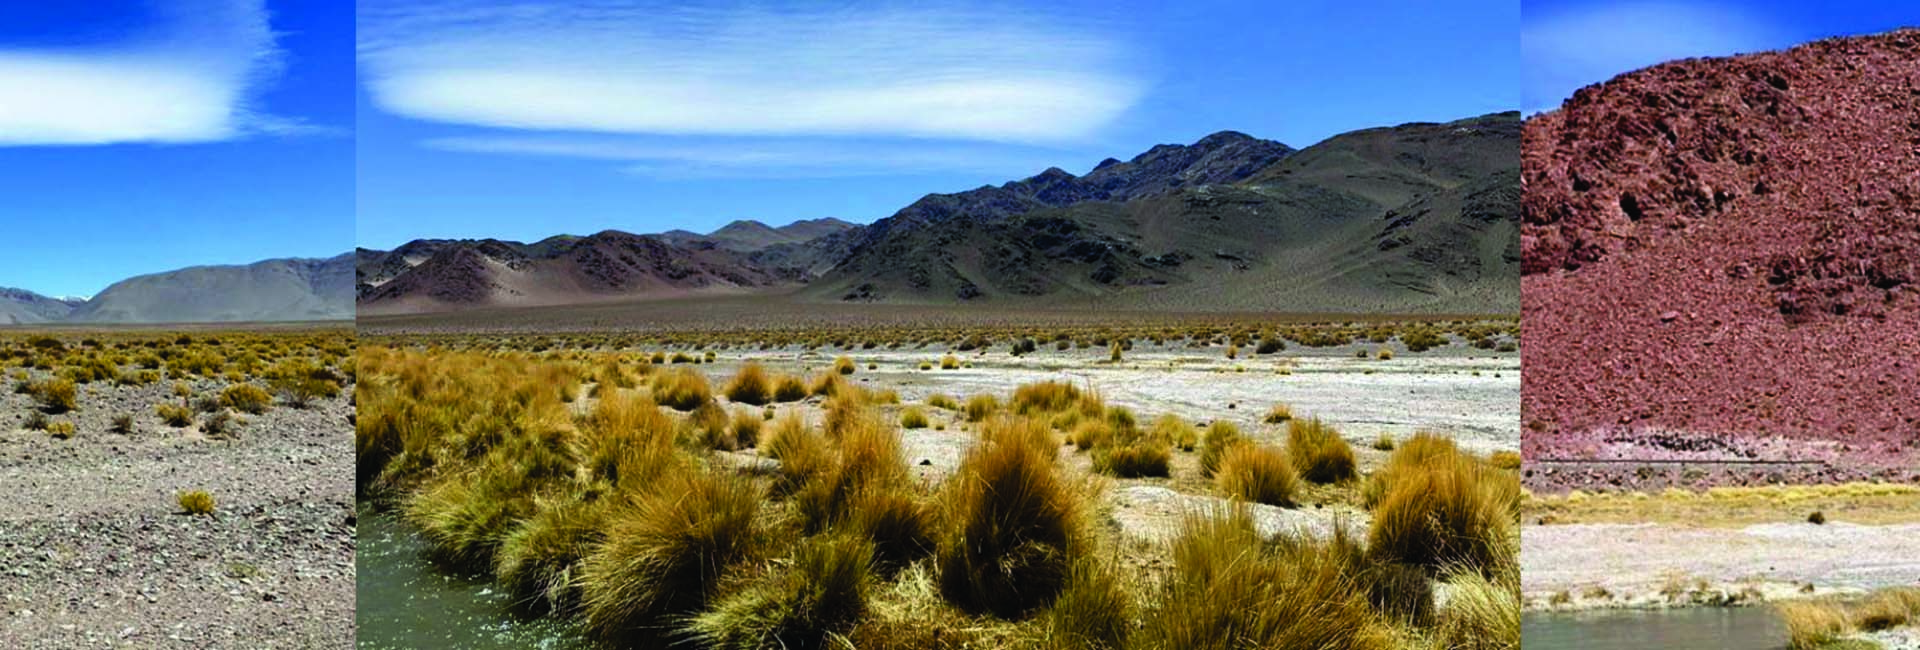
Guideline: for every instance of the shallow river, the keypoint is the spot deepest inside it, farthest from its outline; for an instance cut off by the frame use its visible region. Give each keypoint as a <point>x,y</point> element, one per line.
<point>404,602</point>
<point>1706,628</point>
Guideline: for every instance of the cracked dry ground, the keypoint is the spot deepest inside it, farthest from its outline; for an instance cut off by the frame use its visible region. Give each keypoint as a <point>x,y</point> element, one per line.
<point>96,553</point>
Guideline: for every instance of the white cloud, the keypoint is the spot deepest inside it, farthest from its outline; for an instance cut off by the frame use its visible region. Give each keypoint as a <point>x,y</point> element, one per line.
<point>622,67</point>
<point>676,158</point>
<point>185,78</point>
<point>1568,50</point>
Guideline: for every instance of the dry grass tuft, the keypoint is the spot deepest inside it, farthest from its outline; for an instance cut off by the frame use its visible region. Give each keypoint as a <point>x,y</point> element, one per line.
<point>681,389</point>
<point>751,385</point>
<point>1257,473</point>
<point>1319,453</point>
<point>1016,524</point>
<point>665,555</point>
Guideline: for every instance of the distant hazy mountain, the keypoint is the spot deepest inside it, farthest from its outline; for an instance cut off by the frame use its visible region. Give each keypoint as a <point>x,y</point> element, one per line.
<point>271,290</point>
<point>21,307</point>
<point>1413,218</point>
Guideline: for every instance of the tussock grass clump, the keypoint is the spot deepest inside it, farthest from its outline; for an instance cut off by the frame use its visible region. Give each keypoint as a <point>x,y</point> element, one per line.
<point>1016,524</point>
<point>913,418</point>
<point>870,457</point>
<point>802,451</point>
<point>1049,397</point>
<point>745,430</point>
<point>949,362</point>
<point>1449,513</point>
<point>1383,442</point>
<point>1221,436</point>
<point>751,385</point>
<point>122,424</point>
<point>60,429</point>
<point>943,401</point>
<point>821,594</point>
<point>1176,431</point>
<point>1481,613</point>
<point>1257,473</point>
<point>789,389</point>
<point>220,426</point>
<point>538,560</point>
<point>1822,622</point>
<point>1319,453</point>
<point>1509,460</point>
<point>980,407</point>
<point>195,502</point>
<point>246,398</point>
<point>174,415</point>
<point>1231,590</point>
<point>1278,414</point>
<point>1134,459</point>
<point>1095,609</point>
<point>1812,625</point>
<point>681,389</point>
<point>844,365</point>
<point>666,555</point>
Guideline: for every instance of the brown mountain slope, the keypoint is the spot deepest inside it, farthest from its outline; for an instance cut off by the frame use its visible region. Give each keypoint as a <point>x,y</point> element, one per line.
<point>606,265</point>
<point>1408,218</point>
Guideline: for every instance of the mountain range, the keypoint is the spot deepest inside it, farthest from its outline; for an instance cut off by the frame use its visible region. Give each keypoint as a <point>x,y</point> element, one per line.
<point>288,289</point>
<point>1419,217</point>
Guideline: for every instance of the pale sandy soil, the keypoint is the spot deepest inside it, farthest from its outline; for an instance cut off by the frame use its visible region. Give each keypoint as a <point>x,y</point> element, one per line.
<point>1635,563</point>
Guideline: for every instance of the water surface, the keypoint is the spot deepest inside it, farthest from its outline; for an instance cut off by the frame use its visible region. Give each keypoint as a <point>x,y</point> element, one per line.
<point>405,602</point>
<point>1703,628</point>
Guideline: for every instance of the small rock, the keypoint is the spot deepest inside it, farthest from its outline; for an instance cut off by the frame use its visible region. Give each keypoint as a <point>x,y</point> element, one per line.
<point>1668,316</point>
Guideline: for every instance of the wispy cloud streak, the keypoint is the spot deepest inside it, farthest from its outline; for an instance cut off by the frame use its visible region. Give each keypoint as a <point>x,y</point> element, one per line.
<point>188,77</point>
<point>679,158</point>
<point>623,67</point>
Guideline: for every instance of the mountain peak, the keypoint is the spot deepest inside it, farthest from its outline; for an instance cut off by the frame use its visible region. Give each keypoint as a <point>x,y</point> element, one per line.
<point>1223,138</point>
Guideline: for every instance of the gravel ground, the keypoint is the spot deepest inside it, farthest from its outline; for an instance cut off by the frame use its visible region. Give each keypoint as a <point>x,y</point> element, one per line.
<point>1633,563</point>
<point>95,553</point>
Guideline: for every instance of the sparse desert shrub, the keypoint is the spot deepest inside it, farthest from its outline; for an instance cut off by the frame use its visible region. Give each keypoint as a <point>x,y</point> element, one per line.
<point>36,421</point>
<point>1016,523</point>
<point>822,593</point>
<point>789,389</point>
<point>1279,413</point>
<point>1222,435</point>
<point>246,398</point>
<point>949,362</point>
<point>60,429</point>
<point>1134,459</point>
<point>1257,473</point>
<point>219,426</point>
<point>943,401</point>
<point>751,386</point>
<point>843,366</point>
<point>122,424</point>
<point>979,407</point>
<point>195,502</point>
<point>182,390</point>
<point>56,396</point>
<point>913,418</point>
<point>681,389</point>
<point>1319,452</point>
<point>665,555</point>
<point>174,415</point>
<point>1385,354</point>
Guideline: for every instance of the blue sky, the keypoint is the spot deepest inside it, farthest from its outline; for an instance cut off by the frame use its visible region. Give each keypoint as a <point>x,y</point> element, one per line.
<point>1569,44</point>
<point>524,120</point>
<point>139,136</point>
